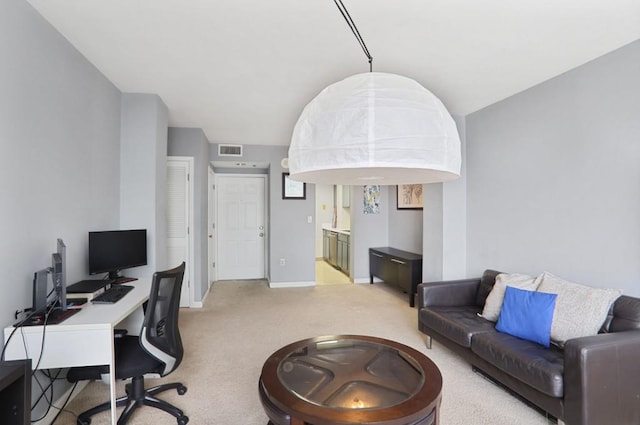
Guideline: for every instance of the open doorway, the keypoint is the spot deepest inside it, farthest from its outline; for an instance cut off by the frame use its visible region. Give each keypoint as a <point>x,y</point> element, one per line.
<point>333,224</point>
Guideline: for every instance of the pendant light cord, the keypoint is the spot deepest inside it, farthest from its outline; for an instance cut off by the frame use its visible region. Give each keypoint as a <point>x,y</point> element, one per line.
<point>354,29</point>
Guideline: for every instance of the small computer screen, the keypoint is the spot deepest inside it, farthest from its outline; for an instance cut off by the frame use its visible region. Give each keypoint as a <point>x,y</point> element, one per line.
<point>40,280</point>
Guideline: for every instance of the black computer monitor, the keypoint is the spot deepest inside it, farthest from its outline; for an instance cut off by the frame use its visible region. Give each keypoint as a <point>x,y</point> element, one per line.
<point>59,274</point>
<point>115,250</point>
<point>42,297</point>
<point>40,301</point>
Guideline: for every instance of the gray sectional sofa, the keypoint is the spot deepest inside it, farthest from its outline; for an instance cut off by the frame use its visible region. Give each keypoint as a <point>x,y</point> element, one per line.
<point>591,380</point>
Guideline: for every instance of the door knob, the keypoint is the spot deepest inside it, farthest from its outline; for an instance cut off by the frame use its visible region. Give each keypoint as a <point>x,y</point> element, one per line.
<point>261,234</point>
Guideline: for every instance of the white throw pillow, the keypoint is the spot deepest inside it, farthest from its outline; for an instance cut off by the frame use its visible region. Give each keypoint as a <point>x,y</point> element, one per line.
<point>493,304</point>
<point>580,310</point>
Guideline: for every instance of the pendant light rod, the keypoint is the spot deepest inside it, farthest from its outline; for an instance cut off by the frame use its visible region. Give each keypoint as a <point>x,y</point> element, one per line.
<point>354,29</point>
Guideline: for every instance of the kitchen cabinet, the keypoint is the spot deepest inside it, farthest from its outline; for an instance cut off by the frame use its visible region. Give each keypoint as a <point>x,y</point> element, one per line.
<point>325,244</point>
<point>330,246</point>
<point>335,248</point>
<point>396,267</point>
<point>343,252</point>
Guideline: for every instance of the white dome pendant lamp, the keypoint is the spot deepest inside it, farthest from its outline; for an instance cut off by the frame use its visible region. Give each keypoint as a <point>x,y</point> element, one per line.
<point>374,128</point>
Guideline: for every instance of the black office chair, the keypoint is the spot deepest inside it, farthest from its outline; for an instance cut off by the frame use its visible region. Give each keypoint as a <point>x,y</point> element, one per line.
<point>158,349</point>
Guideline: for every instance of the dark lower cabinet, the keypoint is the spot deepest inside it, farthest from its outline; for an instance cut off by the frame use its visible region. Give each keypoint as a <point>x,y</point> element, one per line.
<point>15,392</point>
<point>396,267</point>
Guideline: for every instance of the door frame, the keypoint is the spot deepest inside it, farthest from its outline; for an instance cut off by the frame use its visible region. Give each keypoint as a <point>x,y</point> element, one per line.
<point>212,242</point>
<point>265,179</point>
<point>189,161</point>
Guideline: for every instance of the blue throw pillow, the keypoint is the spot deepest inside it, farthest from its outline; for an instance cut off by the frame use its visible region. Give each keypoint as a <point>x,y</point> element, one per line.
<point>527,315</point>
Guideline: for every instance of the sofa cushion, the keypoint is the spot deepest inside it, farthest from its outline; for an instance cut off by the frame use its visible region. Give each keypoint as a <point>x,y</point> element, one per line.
<point>487,281</point>
<point>527,315</point>
<point>493,304</point>
<point>580,310</point>
<point>626,314</point>
<point>457,323</point>
<point>541,368</point>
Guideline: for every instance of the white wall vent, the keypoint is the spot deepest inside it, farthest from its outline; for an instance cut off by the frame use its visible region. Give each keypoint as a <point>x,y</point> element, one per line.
<point>229,150</point>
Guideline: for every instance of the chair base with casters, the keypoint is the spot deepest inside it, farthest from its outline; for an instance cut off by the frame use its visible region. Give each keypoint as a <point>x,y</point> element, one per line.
<point>157,350</point>
<point>136,397</point>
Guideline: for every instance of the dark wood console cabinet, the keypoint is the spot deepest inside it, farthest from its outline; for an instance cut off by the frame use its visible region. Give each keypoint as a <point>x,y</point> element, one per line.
<point>15,392</point>
<point>396,267</point>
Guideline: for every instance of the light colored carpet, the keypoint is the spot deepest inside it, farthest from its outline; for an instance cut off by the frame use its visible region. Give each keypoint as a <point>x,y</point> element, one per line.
<point>244,322</point>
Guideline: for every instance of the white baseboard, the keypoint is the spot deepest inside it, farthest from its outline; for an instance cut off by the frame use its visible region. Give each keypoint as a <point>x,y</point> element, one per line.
<point>366,280</point>
<point>291,284</point>
<point>200,304</point>
<point>360,280</point>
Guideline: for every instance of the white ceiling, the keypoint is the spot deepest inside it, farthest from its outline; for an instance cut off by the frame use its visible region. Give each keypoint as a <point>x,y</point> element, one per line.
<point>243,70</point>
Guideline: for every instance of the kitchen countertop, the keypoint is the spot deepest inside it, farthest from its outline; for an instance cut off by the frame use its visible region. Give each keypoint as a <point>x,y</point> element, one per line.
<point>332,229</point>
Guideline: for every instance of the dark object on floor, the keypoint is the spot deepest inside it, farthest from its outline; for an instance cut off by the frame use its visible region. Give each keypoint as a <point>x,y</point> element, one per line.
<point>350,379</point>
<point>158,349</point>
<point>395,267</point>
<point>15,392</point>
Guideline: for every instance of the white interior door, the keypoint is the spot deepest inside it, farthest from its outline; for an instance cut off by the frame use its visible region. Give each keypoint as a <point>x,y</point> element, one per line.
<point>179,221</point>
<point>211,234</point>
<point>241,226</point>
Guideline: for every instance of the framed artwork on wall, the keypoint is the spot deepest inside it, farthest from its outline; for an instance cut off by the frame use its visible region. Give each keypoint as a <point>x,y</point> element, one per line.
<point>409,197</point>
<point>292,189</point>
<point>371,199</point>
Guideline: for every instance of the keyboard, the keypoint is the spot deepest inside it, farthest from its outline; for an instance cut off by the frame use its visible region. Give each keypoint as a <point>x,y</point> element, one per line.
<point>112,295</point>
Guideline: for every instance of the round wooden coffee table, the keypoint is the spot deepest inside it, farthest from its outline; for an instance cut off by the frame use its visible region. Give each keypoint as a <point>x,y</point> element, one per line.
<point>350,379</point>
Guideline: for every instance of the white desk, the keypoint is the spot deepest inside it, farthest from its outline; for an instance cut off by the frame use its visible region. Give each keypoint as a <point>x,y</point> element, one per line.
<point>84,339</point>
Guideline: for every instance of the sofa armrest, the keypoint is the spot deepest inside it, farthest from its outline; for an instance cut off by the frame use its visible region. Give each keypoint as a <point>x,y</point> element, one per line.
<point>448,293</point>
<point>602,379</point>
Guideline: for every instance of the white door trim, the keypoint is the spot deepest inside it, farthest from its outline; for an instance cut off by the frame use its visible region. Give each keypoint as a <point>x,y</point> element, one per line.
<point>211,230</point>
<point>188,278</point>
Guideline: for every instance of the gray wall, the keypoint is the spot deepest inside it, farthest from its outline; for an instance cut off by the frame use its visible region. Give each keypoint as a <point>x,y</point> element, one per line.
<point>444,239</point>
<point>554,177</point>
<point>454,212</point>
<point>290,236</point>
<point>405,226</point>
<point>143,175</point>
<point>60,145</point>
<point>193,142</point>
<point>367,231</point>
<point>432,237</point>
<point>438,231</point>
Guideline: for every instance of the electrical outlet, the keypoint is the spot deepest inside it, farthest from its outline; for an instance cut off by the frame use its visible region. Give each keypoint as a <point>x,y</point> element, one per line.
<point>282,262</point>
